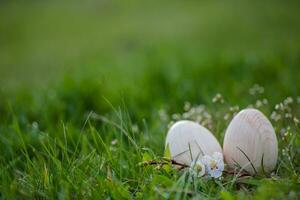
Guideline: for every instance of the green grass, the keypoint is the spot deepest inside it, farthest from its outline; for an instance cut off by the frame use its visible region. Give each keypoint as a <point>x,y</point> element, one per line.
<point>88,91</point>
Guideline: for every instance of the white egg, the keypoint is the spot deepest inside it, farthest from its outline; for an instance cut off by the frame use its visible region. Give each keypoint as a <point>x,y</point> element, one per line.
<point>250,134</point>
<point>188,141</point>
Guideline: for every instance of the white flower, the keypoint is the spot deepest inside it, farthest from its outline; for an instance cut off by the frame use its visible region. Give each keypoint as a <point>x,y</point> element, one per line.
<point>197,168</point>
<point>214,164</point>
<point>211,165</point>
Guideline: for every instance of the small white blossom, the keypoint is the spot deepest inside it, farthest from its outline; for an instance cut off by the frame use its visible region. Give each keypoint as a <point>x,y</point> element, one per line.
<point>234,108</point>
<point>288,101</point>
<point>258,103</point>
<point>275,116</point>
<point>163,115</point>
<point>197,168</point>
<point>288,115</point>
<point>218,98</point>
<point>227,116</point>
<point>114,142</point>
<point>296,120</point>
<point>135,128</point>
<point>265,101</point>
<point>280,107</point>
<point>176,116</point>
<point>187,106</point>
<point>214,164</point>
<point>256,89</point>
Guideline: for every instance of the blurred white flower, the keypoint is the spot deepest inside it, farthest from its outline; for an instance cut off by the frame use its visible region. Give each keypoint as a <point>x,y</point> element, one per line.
<point>218,98</point>
<point>234,108</point>
<point>197,168</point>
<point>163,115</point>
<point>288,101</point>
<point>135,128</point>
<point>176,116</point>
<point>258,103</point>
<point>187,106</point>
<point>256,89</point>
<point>214,164</point>
<point>265,101</point>
<point>296,120</point>
<point>275,116</point>
<point>227,116</point>
<point>114,142</point>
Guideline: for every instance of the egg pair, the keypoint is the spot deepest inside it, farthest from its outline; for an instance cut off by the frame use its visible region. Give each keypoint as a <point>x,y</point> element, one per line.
<point>249,143</point>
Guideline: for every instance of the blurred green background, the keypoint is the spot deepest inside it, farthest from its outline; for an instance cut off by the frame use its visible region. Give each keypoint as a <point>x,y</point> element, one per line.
<point>117,41</point>
<point>74,56</point>
<point>148,54</point>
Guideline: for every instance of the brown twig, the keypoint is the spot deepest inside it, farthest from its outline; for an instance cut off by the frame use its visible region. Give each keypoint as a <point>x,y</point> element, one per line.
<point>165,161</point>
<point>176,163</point>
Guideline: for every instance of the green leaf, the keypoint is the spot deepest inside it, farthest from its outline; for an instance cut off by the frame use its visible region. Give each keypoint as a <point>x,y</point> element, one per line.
<point>167,153</point>
<point>162,180</point>
<point>226,195</point>
<point>118,190</point>
<point>146,157</point>
<point>167,168</point>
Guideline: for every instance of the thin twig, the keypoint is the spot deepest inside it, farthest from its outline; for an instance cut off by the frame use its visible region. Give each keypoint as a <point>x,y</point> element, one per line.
<point>165,161</point>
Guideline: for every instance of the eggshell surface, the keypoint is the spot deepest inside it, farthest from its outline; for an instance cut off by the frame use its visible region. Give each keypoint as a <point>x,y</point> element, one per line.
<point>189,140</point>
<point>250,142</point>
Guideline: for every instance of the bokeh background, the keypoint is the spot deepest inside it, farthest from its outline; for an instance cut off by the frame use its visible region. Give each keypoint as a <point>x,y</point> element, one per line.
<point>119,42</point>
